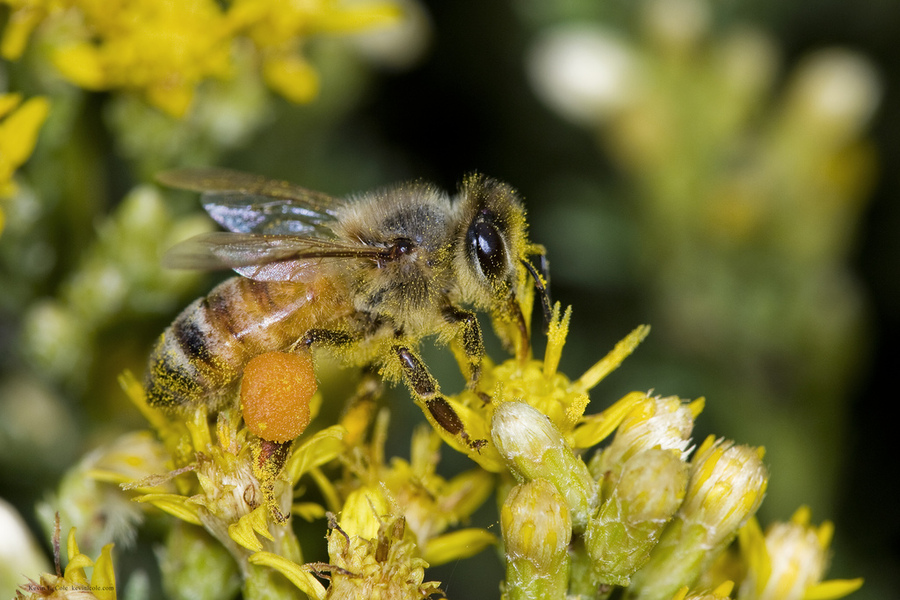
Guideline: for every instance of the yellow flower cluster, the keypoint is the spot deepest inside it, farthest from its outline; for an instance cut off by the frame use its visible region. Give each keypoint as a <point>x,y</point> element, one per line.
<point>647,512</point>
<point>240,489</point>
<point>163,49</point>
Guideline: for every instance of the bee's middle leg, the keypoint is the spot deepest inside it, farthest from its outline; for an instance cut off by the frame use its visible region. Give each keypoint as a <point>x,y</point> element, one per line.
<point>472,343</point>
<point>425,387</point>
<point>325,337</point>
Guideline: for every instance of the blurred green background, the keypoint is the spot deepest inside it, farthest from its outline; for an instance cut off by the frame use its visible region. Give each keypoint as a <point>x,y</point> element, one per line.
<point>731,179</point>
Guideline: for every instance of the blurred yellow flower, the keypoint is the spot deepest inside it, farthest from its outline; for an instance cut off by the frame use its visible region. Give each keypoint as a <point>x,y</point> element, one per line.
<point>789,561</point>
<point>278,30</point>
<point>25,15</point>
<point>19,126</point>
<point>162,49</point>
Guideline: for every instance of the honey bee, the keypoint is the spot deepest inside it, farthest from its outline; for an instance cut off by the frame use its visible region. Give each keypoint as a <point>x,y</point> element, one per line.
<point>369,275</point>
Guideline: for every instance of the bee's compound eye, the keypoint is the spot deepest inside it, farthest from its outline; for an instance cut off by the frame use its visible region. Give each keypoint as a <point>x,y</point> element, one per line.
<point>487,245</point>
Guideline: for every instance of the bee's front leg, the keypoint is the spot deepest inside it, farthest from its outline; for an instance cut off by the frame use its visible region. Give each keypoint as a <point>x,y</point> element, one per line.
<point>426,390</point>
<point>471,342</point>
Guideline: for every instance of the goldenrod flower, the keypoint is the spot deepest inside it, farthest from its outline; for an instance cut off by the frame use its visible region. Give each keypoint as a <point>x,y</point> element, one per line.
<point>89,496</point>
<point>643,474</point>
<point>25,15</point>
<point>19,126</point>
<point>278,29</point>
<point>371,555</point>
<point>429,502</point>
<point>789,562</point>
<point>228,498</point>
<point>73,583</point>
<point>722,592</point>
<point>161,48</point>
<point>540,385</point>
<point>663,423</point>
<point>373,552</point>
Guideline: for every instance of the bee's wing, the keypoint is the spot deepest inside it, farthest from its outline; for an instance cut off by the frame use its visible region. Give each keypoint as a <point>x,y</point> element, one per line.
<point>246,203</point>
<point>262,257</point>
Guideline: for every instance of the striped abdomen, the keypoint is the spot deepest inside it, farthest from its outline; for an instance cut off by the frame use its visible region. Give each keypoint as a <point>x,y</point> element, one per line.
<point>202,354</point>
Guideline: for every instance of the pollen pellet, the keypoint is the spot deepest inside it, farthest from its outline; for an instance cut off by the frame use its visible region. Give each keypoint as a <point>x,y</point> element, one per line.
<point>275,394</point>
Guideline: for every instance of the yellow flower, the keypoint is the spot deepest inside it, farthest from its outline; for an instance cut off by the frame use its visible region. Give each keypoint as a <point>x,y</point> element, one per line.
<point>722,592</point>
<point>19,126</point>
<point>429,502</point>
<point>643,476</point>
<point>371,554</point>
<point>228,496</point>
<point>24,16</point>
<point>89,496</point>
<point>648,492</point>
<point>789,562</point>
<point>534,448</point>
<point>278,30</point>
<point>663,423</point>
<point>161,48</point>
<point>539,384</point>
<point>74,583</point>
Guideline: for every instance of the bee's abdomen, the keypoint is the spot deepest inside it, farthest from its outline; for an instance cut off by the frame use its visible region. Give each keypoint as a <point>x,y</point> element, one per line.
<point>201,355</point>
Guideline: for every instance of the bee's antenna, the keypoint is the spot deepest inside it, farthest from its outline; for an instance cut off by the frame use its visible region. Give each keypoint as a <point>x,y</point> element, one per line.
<point>542,283</point>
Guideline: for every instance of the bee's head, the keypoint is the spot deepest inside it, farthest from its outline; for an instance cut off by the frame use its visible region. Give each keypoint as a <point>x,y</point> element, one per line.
<point>491,257</point>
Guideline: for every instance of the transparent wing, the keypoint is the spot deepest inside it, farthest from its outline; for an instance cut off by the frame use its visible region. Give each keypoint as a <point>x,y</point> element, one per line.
<point>246,203</point>
<point>262,257</point>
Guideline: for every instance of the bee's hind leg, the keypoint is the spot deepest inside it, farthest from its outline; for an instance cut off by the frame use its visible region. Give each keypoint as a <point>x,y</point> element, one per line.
<point>325,337</point>
<point>360,407</point>
<point>425,388</point>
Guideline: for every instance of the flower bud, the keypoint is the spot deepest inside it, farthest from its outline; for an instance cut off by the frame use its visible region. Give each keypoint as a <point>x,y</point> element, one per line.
<point>537,529</point>
<point>196,565</point>
<point>726,486</point>
<point>627,527</point>
<point>534,448</point>
<point>663,423</point>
